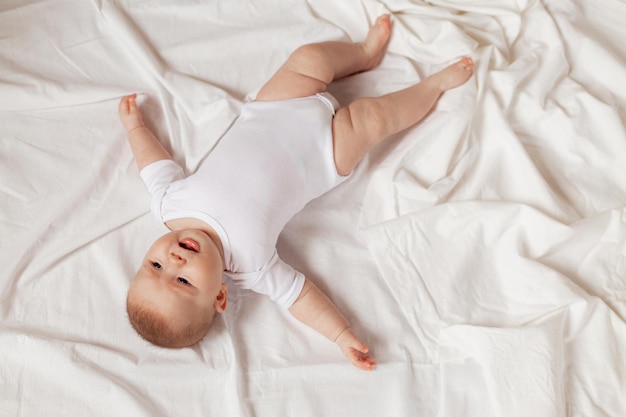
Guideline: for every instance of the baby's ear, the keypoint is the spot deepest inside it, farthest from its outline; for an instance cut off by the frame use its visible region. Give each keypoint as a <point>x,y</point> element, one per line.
<point>221,299</point>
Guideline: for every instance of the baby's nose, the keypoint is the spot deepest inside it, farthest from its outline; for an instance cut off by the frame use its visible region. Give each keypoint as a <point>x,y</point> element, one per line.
<point>177,258</point>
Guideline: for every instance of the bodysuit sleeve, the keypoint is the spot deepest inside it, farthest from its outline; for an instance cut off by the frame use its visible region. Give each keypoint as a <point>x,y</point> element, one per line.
<point>278,280</point>
<point>158,176</point>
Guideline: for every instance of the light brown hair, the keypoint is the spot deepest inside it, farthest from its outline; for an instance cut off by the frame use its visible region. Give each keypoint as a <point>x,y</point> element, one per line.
<point>159,330</point>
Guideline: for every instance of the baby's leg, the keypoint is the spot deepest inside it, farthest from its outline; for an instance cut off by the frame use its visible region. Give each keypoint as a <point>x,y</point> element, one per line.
<point>366,122</point>
<point>310,68</point>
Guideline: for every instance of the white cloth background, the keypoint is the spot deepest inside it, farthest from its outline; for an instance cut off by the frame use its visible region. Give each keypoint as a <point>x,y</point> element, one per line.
<point>481,255</point>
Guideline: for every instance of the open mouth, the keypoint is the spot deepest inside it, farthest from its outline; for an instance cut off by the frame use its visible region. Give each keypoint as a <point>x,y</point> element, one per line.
<point>189,244</point>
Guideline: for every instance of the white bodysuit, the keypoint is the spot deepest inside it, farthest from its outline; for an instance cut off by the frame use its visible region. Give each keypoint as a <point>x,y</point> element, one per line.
<point>275,158</point>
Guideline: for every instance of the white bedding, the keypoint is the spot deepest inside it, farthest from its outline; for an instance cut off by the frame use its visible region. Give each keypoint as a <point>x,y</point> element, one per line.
<point>481,255</point>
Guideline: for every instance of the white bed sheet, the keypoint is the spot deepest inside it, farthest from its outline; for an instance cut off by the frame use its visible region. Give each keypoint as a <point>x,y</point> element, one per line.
<point>481,255</point>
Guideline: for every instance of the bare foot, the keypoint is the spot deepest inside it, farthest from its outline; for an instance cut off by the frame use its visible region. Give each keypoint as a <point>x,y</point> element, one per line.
<point>376,40</point>
<point>455,74</point>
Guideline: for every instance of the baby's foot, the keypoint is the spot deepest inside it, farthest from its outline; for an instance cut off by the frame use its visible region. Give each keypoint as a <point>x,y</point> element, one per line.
<point>455,74</point>
<point>376,41</point>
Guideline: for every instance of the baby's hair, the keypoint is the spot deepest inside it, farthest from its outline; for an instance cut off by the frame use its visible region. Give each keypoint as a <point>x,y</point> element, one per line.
<point>158,330</point>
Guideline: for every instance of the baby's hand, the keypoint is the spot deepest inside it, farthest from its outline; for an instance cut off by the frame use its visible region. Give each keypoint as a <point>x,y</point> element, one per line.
<point>129,113</point>
<point>355,350</point>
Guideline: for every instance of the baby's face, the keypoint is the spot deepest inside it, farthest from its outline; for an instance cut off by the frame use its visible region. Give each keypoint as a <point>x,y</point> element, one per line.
<point>181,274</point>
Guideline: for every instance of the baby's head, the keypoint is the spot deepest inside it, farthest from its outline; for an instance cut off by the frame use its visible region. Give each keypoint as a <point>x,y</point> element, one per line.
<point>178,289</point>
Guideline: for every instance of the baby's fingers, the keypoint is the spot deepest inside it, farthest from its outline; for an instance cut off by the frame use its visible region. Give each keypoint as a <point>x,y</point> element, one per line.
<point>128,104</point>
<point>360,359</point>
<point>355,350</point>
<point>365,363</point>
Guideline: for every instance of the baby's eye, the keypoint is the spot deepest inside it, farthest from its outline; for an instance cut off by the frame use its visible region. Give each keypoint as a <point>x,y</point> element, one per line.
<point>156,265</point>
<point>183,281</point>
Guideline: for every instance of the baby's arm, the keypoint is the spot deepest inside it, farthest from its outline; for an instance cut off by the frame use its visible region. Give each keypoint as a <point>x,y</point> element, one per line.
<point>315,309</point>
<point>145,146</point>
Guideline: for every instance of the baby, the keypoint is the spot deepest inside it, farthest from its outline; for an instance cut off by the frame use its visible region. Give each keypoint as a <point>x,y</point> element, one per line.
<point>289,146</point>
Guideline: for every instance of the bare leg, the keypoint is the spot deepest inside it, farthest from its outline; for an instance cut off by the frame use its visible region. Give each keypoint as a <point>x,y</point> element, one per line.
<point>311,68</point>
<point>366,122</point>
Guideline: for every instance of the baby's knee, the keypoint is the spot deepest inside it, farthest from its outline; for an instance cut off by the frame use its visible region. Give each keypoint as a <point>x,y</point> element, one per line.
<point>306,54</point>
<point>311,60</point>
